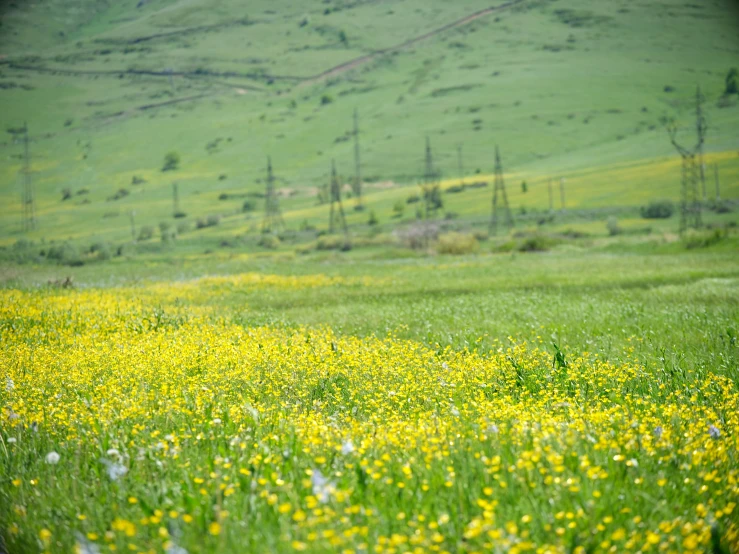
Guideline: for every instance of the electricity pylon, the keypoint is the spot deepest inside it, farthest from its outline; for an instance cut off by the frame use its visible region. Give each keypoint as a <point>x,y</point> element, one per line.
<point>692,170</point>
<point>272,215</point>
<point>336,214</point>
<point>499,186</point>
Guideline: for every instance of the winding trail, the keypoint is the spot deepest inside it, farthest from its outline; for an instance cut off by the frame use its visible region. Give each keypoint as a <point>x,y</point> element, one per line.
<point>351,64</point>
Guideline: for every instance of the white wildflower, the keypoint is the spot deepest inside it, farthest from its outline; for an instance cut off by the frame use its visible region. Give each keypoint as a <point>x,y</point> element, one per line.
<point>347,447</point>
<point>322,487</point>
<point>52,458</point>
<point>658,431</point>
<point>12,440</point>
<point>173,548</point>
<point>9,384</point>
<point>216,421</point>
<point>714,432</point>
<point>86,547</point>
<point>115,470</point>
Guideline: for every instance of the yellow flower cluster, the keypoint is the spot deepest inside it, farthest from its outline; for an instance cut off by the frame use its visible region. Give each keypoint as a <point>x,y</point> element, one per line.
<point>176,427</point>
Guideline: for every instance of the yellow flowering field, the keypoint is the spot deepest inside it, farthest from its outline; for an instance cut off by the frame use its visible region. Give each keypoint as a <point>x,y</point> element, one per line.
<point>126,428</point>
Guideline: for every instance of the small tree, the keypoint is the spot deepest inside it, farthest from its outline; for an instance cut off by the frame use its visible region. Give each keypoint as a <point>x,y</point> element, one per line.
<point>732,81</point>
<point>171,161</point>
<point>524,187</point>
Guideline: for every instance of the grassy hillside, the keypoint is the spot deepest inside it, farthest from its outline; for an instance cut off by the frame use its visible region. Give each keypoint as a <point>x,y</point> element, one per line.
<point>572,90</point>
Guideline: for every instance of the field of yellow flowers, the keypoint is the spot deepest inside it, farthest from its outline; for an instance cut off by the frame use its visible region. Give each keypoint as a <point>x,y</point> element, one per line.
<point>142,419</point>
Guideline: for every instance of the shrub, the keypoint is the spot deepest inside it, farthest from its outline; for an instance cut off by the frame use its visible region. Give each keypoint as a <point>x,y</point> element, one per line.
<point>65,253</point>
<point>398,209</point>
<point>419,235</point>
<point>136,180</point>
<point>121,193</point>
<point>171,161</point>
<point>248,206</point>
<point>183,227</point>
<point>536,243</point>
<point>146,232</point>
<point>412,199</point>
<point>329,242</point>
<point>658,209</point>
<point>179,215</point>
<point>213,220</point>
<point>612,226</point>
<point>732,81</point>
<point>165,231</point>
<point>102,250</point>
<point>326,99</point>
<point>698,239</point>
<point>372,220</point>
<point>456,243</point>
<point>66,194</point>
<point>269,241</point>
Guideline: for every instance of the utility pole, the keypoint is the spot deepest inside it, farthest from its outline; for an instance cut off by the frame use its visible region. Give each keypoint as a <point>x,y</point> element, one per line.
<point>272,216</point>
<point>499,187</point>
<point>29,197</point>
<point>175,199</point>
<point>133,226</point>
<point>715,175</point>
<point>691,171</point>
<point>551,196</point>
<point>460,165</point>
<point>357,163</point>
<point>562,192</point>
<point>336,199</point>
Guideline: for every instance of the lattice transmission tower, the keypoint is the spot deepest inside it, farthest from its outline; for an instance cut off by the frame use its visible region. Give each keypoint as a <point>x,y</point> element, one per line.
<point>336,211</point>
<point>692,176</point>
<point>431,186</point>
<point>272,216</point>
<point>357,164</point>
<point>499,187</point>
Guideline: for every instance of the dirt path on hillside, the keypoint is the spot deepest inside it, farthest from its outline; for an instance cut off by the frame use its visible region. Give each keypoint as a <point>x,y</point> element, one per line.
<point>302,81</point>
<point>356,62</point>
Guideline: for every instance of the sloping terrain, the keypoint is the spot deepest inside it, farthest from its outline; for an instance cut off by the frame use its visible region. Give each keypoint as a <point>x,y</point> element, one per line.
<point>574,90</point>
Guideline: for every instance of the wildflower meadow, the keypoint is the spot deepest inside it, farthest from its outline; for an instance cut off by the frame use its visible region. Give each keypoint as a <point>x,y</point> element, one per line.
<point>144,419</point>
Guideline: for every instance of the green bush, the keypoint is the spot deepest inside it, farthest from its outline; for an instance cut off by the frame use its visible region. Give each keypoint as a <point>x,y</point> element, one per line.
<point>612,226</point>
<point>183,227</point>
<point>703,239</point>
<point>248,206</point>
<point>658,209</point>
<point>101,250</point>
<point>65,253</point>
<point>171,161</point>
<point>456,244</point>
<point>269,241</point>
<point>329,242</point>
<point>146,232</point>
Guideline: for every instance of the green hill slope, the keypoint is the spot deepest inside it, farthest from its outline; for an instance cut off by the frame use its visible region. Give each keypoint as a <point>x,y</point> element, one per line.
<point>567,89</point>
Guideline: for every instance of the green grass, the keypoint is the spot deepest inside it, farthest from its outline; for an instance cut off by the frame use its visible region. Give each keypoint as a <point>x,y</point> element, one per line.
<point>167,368</point>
